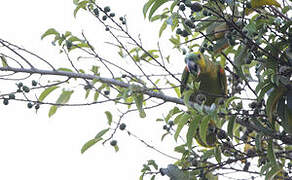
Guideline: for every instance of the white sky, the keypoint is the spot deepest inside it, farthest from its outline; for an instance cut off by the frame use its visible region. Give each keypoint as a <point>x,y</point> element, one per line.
<point>35,147</point>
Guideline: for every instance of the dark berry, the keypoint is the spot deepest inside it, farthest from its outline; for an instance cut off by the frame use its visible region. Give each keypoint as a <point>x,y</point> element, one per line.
<point>5,101</point>
<point>68,44</point>
<point>171,123</point>
<point>19,85</point>
<point>122,126</point>
<point>182,7</point>
<point>11,96</point>
<point>113,142</point>
<point>184,51</point>
<point>205,12</point>
<point>185,33</point>
<point>221,134</point>
<point>96,11</point>
<point>107,9</point>
<point>189,23</point>
<point>121,18</point>
<point>248,5</point>
<point>188,3</point>
<point>124,22</point>
<point>106,29</point>
<point>196,7</point>
<point>124,76</point>
<point>179,31</point>
<point>34,83</point>
<point>25,89</point>
<point>104,17</point>
<point>37,106</point>
<point>165,127</point>
<point>29,105</point>
<point>106,92</point>
<point>88,86</point>
<point>221,101</point>
<point>112,14</point>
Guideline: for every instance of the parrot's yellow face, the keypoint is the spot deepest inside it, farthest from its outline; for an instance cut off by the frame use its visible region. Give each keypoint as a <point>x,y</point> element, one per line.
<point>195,63</point>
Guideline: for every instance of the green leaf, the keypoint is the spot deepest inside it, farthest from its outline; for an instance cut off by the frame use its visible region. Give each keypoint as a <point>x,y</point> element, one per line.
<point>229,100</point>
<point>89,143</point>
<point>272,173</point>
<point>138,98</point>
<point>147,6</point>
<point>251,27</point>
<point>52,110</point>
<point>270,154</point>
<point>261,84</point>
<point>152,163</point>
<point>230,127</point>
<point>162,28</point>
<point>155,6</point>
<point>63,98</point>
<point>273,100</point>
<point>259,3</point>
<point>264,90</point>
<point>172,112</point>
<point>182,121</point>
<point>116,148</point>
<point>64,69</point>
<point>204,128</point>
<point>4,61</point>
<point>96,95</point>
<point>194,124</point>
<point>175,2</point>
<point>180,149</point>
<point>50,31</point>
<point>258,142</point>
<point>80,5</point>
<point>101,133</point>
<point>265,168</point>
<point>46,92</point>
<point>87,93</point>
<point>109,117</point>
<point>263,129</point>
<point>217,154</point>
<point>75,2</point>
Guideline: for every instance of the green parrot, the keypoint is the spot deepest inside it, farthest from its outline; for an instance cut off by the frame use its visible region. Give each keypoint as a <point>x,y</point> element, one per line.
<point>213,85</point>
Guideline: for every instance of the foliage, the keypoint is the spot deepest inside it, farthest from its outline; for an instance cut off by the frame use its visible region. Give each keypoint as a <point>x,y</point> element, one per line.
<point>251,126</point>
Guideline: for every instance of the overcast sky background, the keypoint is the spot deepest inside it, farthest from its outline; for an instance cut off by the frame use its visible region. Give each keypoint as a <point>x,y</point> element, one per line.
<point>35,147</point>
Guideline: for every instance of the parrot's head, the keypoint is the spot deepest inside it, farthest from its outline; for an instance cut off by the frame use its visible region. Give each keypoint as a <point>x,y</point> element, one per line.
<point>195,63</point>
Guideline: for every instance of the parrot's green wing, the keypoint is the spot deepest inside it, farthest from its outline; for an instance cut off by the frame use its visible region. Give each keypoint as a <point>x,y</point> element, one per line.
<point>222,79</point>
<point>184,81</point>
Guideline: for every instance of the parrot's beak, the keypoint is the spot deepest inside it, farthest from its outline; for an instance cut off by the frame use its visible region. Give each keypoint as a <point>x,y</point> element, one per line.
<point>193,67</point>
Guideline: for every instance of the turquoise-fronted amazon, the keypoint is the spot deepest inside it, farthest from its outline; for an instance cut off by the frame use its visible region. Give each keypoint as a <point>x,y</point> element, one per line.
<point>213,85</point>
<point>211,76</point>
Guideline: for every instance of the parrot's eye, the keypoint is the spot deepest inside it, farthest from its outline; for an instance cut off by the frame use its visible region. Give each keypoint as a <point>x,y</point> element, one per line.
<point>199,56</point>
